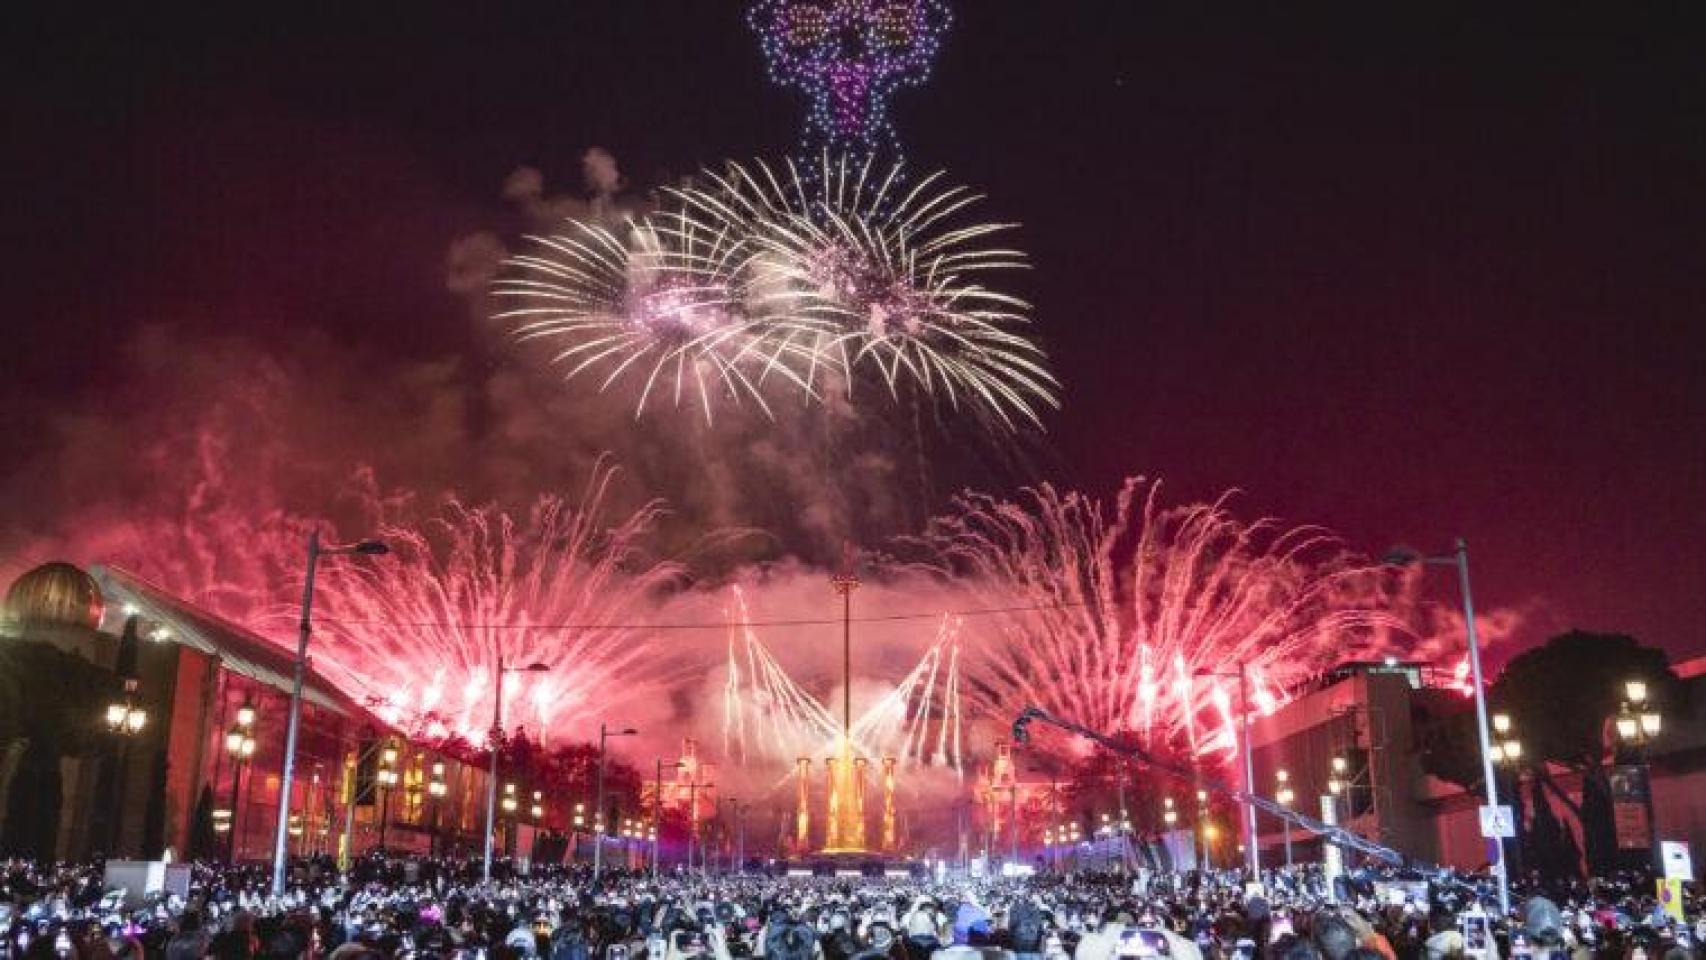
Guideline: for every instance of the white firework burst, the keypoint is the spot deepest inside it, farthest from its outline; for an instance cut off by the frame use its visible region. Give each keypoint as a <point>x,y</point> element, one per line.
<point>653,300</point>
<point>866,272</point>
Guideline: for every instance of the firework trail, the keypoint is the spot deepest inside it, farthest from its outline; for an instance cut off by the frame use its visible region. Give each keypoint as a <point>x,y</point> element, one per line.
<point>1140,614</point>
<point>877,275</point>
<point>655,300</point>
<point>419,633</point>
<point>767,716</point>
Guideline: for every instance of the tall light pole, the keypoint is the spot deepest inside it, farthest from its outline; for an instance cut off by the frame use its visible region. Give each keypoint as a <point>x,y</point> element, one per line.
<point>604,734</point>
<point>693,821</point>
<point>1638,722</point>
<point>657,813</point>
<point>497,747</point>
<point>437,790</point>
<point>387,778</point>
<point>1284,797</point>
<point>740,837</point>
<point>1459,558</point>
<point>1253,856</point>
<point>125,720</point>
<point>366,548</point>
<point>240,744</point>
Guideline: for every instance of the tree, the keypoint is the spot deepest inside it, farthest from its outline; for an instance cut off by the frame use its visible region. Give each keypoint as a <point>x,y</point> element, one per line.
<point>1561,697</point>
<point>53,700</point>
<point>32,806</point>
<point>1552,851</point>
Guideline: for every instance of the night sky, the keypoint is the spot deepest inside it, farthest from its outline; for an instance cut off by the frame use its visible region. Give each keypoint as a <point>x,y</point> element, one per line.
<point>1410,276</point>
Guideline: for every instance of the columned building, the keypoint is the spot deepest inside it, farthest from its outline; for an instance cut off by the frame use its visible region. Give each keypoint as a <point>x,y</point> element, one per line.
<point>192,768</point>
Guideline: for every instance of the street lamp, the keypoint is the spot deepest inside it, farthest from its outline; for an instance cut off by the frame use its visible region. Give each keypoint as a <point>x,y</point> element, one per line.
<point>388,778</point>
<point>1459,558</point>
<point>124,720</point>
<point>240,746</point>
<point>604,735</point>
<point>1251,848</point>
<point>366,548</point>
<point>497,747</point>
<point>437,790</point>
<point>1284,797</point>
<point>537,811</point>
<point>1507,749</point>
<point>1638,724</point>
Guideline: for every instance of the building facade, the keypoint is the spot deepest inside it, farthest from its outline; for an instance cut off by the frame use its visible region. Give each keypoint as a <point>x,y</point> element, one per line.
<point>198,775</point>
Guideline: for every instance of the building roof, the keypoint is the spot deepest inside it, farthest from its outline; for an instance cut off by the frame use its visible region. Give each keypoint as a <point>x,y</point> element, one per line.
<point>238,648</point>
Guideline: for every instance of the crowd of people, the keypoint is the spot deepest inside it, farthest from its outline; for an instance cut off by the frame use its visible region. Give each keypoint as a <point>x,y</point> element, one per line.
<point>433,909</point>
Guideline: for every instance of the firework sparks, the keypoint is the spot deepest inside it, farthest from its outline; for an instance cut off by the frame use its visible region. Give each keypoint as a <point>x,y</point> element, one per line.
<point>876,275</point>
<point>654,300</point>
<point>766,715</point>
<point>1140,615</point>
<point>420,634</point>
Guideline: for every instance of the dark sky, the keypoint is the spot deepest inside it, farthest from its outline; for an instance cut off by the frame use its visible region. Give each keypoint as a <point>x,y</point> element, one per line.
<point>1408,275</point>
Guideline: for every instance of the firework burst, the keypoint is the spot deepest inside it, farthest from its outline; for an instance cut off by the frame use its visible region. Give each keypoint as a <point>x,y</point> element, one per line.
<point>653,300</point>
<point>1134,620</point>
<point>420,634</point>
<point>870,273</point>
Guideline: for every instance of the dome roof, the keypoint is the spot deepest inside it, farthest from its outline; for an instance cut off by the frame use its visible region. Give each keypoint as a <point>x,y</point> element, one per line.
<point>55,594</point>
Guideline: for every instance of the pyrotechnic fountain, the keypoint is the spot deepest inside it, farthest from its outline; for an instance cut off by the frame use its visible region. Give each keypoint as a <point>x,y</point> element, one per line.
<point>845,823</point>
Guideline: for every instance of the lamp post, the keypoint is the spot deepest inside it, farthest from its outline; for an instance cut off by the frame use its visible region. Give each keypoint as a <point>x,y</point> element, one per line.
<point>124,720</point>
<point>536,811</point>
<point>693,820</point>
<point>740,837</point>
<point>387,778</point>
<point>1284,797</point>
<point>1507,753</point>
<point>240,746</point>
<point>657,812</point>
<point>1250,845</point>
<point>1169,815</point>
<point>367,548</point>
<point>1204,828</point>
<point>604,735</point>
<point>1638,723</point>
<point>1459,558</point>
<point>437,790</point>
<point>1336,781</point>
<point>497,747</point>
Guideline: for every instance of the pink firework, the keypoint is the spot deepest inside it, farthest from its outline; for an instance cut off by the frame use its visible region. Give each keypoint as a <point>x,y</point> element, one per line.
<point>1137,618</point>
<point>420,633</point>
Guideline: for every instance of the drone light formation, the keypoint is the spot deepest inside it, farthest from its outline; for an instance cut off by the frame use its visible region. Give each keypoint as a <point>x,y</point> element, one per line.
<point>850,57</point>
